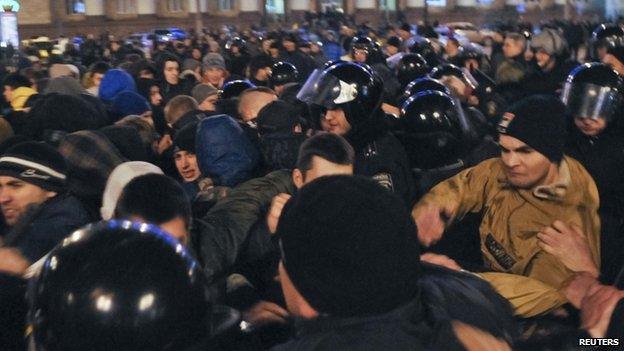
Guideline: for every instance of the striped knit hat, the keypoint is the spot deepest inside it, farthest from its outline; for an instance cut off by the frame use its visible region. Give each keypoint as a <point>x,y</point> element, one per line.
<point>35,163</point>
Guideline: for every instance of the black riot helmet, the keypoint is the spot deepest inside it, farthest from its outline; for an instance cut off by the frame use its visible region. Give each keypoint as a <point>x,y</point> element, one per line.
<point>283,73</point>
<point>364,44</point>
<point>448,69</point>
<point>234,88</point>
<point>238,42</point>
<point>422,84</point>
<point>610,37</point>
<point>350,86</point>
<point>424,47</point>
<point>433,130</point>
<point>410,67</point>
<point>470,52</point>
<point>119,285</point>
<point>593,90</point>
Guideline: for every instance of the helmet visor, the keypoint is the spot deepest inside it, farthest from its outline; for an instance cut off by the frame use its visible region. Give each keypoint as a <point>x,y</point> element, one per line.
<point>590,100</point>
<point>326,90</point>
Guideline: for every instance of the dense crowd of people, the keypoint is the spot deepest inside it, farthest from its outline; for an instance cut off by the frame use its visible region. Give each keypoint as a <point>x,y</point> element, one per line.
<point>332,187</point>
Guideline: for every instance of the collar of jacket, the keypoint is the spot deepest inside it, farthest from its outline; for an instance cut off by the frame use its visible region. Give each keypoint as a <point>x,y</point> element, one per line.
<point>556,190</point>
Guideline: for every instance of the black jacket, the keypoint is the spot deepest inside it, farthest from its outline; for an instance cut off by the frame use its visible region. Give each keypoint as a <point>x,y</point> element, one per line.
<point>551,82</point>
<point>169,91</point>
<point>227,226</point>
<point>42,227</point>
<point>380,155</point>
<point>385,160</point>
<point>422,324</point>
<point>395,330</point>
<point>603,157</point>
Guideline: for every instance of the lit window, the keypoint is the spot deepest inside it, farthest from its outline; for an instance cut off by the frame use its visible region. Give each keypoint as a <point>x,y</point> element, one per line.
<point>436,3</point>
<point>275,7</point>
<point>75,7</point>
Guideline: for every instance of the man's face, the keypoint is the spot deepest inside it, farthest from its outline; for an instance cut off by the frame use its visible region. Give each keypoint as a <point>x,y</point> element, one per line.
<point>186,163</point>
<point>524,167</point>
<point>359,55</point>
<point>16,195</point>
<point>97,79</point>
<point>263,74</point>
<point>155,96</point>
<point>391,50</point>
<point>589,126</point>
<point>8,93</point>
<point>209,103</point>
<point>197,55</point>
<point>214,76</point>
<point>404,34</point>
<point>512,48</point>
<point>289,45</point>
<point>274,52</point>
<point>172,72</point>
<point>542,59</point>
<point>451,48</point>
<point>335,122</point>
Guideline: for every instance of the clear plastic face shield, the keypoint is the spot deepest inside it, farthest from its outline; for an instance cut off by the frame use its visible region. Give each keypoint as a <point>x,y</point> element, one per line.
<point>326,90</point>
<point>590,100</point>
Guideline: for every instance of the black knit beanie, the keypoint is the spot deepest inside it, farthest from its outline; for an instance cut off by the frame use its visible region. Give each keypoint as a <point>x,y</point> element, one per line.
<point>538,121</point>
<point>184,139</point>
<point>35,163</point>
<point>350,247</point>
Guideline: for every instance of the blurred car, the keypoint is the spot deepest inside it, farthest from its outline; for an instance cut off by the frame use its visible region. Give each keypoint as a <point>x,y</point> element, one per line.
<point>143,40</point>
<point>169,34</point>
<point>40,46</point>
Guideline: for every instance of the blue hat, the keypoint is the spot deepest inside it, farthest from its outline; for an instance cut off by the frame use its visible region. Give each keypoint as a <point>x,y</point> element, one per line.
<point>114,82</point>
<point>129,103</point>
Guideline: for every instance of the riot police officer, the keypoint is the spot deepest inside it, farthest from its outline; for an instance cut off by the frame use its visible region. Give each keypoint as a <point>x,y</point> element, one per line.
<point>442,141</point>
<point>593,94</point>
<point>121,286</point>
<point>365,50</point>
<point>607,46</point>
<point>345,99</point>
<point>411,67</point>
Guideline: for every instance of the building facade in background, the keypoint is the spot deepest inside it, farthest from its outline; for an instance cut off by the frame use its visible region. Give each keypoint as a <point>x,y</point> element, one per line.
<point>121,17</point>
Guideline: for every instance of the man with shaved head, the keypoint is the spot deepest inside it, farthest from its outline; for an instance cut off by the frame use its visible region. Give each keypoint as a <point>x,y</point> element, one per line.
<point>251,101</point>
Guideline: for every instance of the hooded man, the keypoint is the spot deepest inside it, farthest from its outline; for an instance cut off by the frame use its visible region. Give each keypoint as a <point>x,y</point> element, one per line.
<point>35,205</point>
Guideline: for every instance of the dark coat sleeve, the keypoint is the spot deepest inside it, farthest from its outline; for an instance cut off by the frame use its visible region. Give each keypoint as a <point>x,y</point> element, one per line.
<point>616,325</point>
<point>227,225</point>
